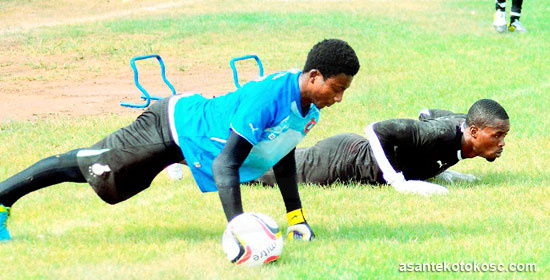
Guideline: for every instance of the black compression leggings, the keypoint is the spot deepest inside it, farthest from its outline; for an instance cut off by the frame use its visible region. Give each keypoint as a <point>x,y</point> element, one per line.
<point>516,5</point>
<point>46,172</point>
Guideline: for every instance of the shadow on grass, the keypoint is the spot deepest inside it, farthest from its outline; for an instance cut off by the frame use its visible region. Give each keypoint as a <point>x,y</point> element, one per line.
<point>335,185</point>
<point>485,180</point>
<point>495,179</point>
<point>403,233</point>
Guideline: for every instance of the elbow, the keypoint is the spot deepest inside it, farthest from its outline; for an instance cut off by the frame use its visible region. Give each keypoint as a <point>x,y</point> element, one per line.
<point>217,165</point>
<point>223,163</point>
<point>219,168</point>
<point>225,173</point>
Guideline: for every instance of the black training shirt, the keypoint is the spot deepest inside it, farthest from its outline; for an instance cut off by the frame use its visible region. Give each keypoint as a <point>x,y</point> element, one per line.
<point>421,149</point>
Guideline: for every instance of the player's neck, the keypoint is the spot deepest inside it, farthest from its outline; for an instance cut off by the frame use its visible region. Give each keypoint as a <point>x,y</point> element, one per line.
<point>305,106</point>
<point>467,146</point>
<point>305,100</point>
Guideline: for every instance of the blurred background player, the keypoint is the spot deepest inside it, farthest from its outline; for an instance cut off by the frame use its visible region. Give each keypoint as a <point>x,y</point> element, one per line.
<point>226,140</point>
<point>500,17</point>
<point>400,152</point>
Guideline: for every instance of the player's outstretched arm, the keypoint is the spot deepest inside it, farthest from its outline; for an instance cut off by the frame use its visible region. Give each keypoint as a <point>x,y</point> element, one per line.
<point>226,173</point>
<point>394,178</point>
<point>285,175</point>
<point>451,176</point>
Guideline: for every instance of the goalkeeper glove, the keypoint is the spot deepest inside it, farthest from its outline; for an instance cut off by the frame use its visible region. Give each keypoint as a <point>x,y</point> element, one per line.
<point>298,228</point>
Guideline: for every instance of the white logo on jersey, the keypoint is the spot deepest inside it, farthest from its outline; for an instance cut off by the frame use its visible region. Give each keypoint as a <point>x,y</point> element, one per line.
<point>441,164</point>
<point>252,127</point>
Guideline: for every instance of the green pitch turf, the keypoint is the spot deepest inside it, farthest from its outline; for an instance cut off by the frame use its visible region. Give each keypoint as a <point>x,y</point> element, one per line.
<point>413,54</point>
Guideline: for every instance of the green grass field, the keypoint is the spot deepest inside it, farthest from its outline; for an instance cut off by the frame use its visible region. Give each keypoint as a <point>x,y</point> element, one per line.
<point>413,54</point>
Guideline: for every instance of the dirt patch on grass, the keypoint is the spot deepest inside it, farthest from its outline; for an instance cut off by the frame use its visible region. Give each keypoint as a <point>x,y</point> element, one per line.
<point>33,99</point>
<point>42,87</point>
<point>71,84</point>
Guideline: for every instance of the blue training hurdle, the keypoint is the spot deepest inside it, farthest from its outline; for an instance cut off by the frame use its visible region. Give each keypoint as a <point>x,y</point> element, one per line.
<point>244,57</point>
<point>145,95</point>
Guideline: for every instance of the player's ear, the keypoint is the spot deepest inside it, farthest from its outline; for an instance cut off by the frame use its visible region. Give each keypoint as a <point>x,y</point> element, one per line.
<point>314,74</point>
<point>473,131</point>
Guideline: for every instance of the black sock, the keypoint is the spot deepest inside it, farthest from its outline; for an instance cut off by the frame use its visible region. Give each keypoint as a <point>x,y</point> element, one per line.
<point>500,5</point>
<point>515,13</point>
<point>46,172</point>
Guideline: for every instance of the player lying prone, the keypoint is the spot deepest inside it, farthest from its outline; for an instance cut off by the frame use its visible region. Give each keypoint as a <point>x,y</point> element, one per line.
<point>405,152</point>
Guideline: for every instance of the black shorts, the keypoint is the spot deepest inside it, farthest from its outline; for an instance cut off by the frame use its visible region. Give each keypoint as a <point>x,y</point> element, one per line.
<point>126,161</point>
<point>344,157</point>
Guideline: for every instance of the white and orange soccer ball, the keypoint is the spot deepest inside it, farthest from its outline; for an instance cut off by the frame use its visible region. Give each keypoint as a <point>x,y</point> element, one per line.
<point>252,239</point>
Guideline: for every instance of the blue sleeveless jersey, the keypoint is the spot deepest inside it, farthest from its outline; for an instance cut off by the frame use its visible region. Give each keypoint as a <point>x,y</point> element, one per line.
<point>265,112</point>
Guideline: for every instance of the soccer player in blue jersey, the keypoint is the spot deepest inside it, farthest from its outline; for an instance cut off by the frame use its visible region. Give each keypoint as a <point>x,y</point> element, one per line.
<point>225,140</point>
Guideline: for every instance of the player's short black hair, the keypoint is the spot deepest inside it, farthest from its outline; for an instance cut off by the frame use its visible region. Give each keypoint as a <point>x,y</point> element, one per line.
<point>332,57</point>
<point>484,112</point>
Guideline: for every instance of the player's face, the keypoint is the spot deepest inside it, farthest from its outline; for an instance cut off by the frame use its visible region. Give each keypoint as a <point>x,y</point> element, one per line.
<point>329,91</point>
<point>490,139</point>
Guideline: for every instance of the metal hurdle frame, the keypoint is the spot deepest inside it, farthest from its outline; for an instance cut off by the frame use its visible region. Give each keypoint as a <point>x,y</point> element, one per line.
<point>244,57</point>
<point>145,95</point>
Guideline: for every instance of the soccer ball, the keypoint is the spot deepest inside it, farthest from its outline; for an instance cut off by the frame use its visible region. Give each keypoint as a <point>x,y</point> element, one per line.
<point>252,239</point>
